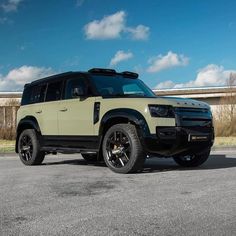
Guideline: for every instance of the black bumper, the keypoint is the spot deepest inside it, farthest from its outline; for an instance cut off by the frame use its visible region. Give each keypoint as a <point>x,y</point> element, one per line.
<point>174,141</point>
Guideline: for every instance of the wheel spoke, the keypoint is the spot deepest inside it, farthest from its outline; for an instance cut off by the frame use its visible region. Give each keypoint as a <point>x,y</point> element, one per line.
<point>126,157</point>
<point>122,163</point>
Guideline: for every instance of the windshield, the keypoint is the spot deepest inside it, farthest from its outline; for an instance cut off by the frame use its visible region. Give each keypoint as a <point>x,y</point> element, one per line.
<point>119,86</point>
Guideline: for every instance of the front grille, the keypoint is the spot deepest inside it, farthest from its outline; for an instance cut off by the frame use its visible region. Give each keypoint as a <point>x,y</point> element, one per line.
<point>189,117</point>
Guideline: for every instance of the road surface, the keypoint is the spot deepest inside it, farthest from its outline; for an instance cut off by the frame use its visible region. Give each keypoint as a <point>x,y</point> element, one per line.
<point>66,196</point>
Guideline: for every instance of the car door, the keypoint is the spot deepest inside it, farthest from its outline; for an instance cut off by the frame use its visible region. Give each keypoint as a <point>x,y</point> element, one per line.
<point>75,116</point>
<point>49,109</point>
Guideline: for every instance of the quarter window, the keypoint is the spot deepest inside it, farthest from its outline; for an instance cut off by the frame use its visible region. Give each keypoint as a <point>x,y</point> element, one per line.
<point>33,94</point>
<point>54,91</point>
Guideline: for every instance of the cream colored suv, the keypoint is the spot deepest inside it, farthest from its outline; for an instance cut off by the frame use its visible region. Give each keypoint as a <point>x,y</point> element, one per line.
<point>110,116</point>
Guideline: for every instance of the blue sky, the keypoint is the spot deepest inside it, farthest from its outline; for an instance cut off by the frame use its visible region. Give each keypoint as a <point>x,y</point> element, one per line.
<point>170,43</point>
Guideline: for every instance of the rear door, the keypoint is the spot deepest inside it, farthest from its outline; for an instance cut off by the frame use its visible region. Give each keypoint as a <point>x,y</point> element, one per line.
<point>75,116</point>
<point>49,109</point>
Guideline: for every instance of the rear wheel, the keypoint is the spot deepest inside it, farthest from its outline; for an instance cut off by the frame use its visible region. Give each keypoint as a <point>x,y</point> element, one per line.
<point>122,150</point>
<point>192,160</point>
<point>29,148</point>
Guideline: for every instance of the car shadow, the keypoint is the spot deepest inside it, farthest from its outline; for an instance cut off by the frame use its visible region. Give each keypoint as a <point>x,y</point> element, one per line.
<point>75,162</point>
<point>214,162</point>
<point>163,164</point>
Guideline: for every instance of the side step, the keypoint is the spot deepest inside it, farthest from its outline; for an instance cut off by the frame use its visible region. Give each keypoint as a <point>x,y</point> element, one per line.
<point>67,150</point>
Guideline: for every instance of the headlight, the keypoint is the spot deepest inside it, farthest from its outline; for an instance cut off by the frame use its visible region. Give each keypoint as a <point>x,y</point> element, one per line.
<point>161,111</point>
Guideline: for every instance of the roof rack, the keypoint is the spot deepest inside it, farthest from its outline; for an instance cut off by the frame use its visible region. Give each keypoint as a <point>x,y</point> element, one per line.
<point>102,71</point>
<point>130,74</point>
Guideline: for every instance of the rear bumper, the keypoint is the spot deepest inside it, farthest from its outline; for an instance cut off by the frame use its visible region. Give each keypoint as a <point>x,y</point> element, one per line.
<point>174,141</point>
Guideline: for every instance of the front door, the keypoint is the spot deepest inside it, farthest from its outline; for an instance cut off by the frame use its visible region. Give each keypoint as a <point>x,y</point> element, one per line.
<point>75,116</point>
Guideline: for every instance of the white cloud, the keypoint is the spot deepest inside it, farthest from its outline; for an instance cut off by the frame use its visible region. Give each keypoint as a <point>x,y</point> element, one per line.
<point>112,26</point>
<point>120,56</point>
<point>109,27</point>
<point>11,5</point>
<point>211,75</point>
<point>141,32</point>
<point>167,61</point>
<point>166,84</point>
<point>16,78</point>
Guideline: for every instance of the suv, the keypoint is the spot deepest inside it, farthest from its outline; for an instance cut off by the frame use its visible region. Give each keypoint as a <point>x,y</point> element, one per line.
<point>110,116</point>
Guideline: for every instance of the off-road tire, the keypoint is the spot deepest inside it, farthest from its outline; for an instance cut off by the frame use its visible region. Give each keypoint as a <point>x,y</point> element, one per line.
<point>37,156</point>
<point>137,155</point>
<point>198,159</point>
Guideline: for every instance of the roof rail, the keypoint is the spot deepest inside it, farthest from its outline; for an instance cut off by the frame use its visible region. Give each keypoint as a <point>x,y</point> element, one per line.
<point>130,74</point>
<point>102,71</point>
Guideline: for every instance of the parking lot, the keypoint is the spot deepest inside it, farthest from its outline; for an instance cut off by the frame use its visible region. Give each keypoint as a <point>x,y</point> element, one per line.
<point>66,196</point>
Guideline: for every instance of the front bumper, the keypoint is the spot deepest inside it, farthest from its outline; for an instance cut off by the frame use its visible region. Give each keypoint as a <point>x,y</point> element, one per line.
<point>174,141</point>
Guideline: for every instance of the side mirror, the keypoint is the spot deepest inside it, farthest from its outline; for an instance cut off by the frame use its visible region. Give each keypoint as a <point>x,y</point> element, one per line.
<point>78,92</point>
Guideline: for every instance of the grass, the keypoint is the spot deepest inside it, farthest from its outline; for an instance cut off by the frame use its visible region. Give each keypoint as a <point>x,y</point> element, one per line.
<point>7,146</point>
<point>225,142</point>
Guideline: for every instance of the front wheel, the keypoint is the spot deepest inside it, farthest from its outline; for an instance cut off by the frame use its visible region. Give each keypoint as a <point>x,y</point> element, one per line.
<point>122,150</point>
<point>29,148</point>
<point>192,160</point>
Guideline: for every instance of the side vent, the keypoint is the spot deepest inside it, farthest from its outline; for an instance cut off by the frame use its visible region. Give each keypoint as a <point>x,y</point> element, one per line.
<point>96,112</point>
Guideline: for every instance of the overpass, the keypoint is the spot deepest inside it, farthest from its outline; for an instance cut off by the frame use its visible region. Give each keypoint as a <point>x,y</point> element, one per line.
<point>210,95</point>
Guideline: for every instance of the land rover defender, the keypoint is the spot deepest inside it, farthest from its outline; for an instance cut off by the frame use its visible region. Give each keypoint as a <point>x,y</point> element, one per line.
<point>110,116</point>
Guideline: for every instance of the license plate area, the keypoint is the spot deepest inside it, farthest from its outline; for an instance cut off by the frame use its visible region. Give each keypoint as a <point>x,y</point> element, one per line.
<point>198,138</point>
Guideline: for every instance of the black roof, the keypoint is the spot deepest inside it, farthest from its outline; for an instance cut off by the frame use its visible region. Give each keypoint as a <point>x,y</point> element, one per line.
<point>91,71</point>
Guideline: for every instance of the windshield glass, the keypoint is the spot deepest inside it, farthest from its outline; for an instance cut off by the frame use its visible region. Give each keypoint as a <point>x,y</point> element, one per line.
<point>119,86</point>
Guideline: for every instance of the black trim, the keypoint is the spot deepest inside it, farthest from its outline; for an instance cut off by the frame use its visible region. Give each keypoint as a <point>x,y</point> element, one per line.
<point>96,112</point>
<point>193,117</point>
<point>71,142</point>
<point>131,115</point>
<point>174,141</point>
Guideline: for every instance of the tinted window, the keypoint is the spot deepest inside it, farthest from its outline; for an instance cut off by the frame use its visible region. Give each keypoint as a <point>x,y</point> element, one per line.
<point>33,94</point>
<point>54,91</point>
<point>119,86</point>
<point>75,83</point>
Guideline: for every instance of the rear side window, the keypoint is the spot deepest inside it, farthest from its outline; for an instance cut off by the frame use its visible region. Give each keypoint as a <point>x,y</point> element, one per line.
<point>33,94</point>
<point>54,91</point>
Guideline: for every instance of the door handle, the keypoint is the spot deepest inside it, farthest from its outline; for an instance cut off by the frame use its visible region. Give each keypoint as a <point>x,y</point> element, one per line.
<point>63,109</point>
<point>39,111</point>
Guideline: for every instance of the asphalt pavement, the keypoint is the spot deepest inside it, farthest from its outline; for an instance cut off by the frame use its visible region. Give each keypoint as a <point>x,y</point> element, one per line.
<point>67,196</point>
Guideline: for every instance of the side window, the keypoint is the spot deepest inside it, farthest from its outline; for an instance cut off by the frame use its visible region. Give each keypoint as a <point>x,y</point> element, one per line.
<point>54,91</point>
<point>75,87</point>
<point>33,94</point>
<point>37,94</point>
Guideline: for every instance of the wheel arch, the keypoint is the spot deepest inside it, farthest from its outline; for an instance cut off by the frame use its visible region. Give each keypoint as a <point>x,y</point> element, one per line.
<point>28,122</point>
<point>123,115</point>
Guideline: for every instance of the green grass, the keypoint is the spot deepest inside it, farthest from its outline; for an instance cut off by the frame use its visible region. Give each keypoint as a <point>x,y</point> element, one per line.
<point>7,146</point>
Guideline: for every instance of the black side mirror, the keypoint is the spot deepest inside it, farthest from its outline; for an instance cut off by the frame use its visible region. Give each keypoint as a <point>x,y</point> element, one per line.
<point>78,92</point>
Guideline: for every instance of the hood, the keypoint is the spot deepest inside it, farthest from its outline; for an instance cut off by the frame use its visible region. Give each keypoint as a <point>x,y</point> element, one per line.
<point>186,102</point>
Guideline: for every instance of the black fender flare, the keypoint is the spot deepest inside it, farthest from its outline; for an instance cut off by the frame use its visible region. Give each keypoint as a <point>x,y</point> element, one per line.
<point>132,116</point>
<point>26,122</point>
